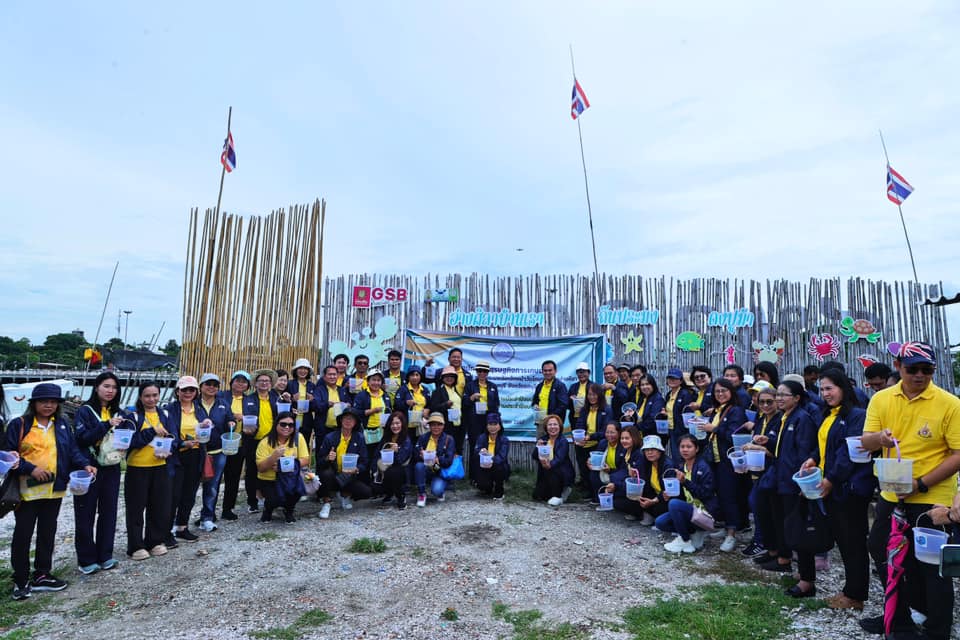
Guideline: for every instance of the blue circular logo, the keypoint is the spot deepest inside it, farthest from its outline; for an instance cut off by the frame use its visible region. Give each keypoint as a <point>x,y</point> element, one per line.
<point>502,352</point>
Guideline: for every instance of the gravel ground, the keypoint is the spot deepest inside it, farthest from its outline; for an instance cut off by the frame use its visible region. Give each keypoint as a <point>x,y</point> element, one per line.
<point>571,563</point>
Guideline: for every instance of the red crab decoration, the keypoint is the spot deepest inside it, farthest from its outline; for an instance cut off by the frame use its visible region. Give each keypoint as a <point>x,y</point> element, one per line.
<point>822,345</point>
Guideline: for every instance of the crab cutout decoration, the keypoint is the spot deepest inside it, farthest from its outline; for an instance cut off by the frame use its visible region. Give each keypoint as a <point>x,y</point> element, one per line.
<point>859,328</point>
<point>768,352</point>
<point>632,342</point>
<point>822,345</point>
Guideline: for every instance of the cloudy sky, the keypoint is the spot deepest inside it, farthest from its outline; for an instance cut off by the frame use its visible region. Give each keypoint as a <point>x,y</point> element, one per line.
<point>735,138</point>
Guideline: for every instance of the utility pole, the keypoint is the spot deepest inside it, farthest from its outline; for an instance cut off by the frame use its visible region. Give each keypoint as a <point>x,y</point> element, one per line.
<point>127,328</point>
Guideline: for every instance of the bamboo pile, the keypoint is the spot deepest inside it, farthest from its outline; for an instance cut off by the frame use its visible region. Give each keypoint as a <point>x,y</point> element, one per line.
<point>251,290</point>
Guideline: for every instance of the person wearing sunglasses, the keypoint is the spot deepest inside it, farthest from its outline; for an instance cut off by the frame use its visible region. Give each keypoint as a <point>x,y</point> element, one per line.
<point>277,478</point>
<point>916,420</point>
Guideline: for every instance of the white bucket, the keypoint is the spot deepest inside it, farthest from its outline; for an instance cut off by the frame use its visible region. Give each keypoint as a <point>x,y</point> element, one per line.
<point>230,443</point>
<point>162,446</point>
<point>756,460</point>
<point>353,384</point>
<point>740,439</point>
<point>808,481</point>
<point>283,407</point>
<point>339,408</point>
<point>386,456</point>
<point>480,406</point>
<point>80,482</point>
<point>578,402</point>
<point>203,433</point>
<point>606,501</point>
<point>738,459</point>
<point>430,372</point>
<point>671,485</point>
<point>302,406</point>
<point>544,451</point>
<point>122,439</point>
<point>895,475</point>
<point>250,424</point>
<point>854,449</point>
<point>539,416</point>
<point>350,461</point>
<point>429,457</point>
<point>579,435</point>
<point>927,543</point>
<point>453,414</point>
<point>596,459</point>
<point>415,416</point>
<point>635,487</point>
<point>663,427</point>
<point>486,460</point>
<point>287,464</point>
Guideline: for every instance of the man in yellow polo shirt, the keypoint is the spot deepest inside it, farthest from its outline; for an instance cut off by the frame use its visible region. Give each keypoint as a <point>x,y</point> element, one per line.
<point>924,421</point>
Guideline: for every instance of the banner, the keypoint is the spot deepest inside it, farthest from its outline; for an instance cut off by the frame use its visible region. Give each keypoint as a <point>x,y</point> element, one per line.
<point>514,366</point>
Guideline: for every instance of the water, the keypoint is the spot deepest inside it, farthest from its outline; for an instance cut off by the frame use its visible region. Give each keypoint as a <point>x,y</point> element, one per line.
<point>70,388</point>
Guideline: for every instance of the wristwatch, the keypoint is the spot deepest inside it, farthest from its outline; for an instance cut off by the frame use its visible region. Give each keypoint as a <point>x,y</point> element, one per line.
<point>921,487</point>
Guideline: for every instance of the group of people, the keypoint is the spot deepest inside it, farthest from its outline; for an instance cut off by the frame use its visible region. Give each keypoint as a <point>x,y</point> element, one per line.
<point>668,459</point>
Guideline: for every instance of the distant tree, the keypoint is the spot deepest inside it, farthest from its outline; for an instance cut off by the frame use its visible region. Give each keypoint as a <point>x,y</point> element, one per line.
<point>63,342</point>
<point>16,354</point>
<point>171,348</point>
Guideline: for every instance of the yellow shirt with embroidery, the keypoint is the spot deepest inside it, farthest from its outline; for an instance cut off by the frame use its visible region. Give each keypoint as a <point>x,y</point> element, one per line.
<point>671,400</point>
<point>341,449</point>
<point>264,451</point>
<point>610,459</point>
<point>236,407</point>
<point>333,397</point>
<point>461,381</point>
<point>39,447</point>
<point>824,433</point>
<point>491,444</point>
<point>398,381</point>
<point>188,425</point>
<point>264,418</point>
<point>543,401</point>
<point>592,417</point>
<point>143,457</point>
<point>927,428</point>
<point>375,418</point>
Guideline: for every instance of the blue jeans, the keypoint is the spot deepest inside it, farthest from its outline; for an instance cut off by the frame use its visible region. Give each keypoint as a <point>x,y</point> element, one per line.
<point>211,488</point>
<point>437,484</point>
<point>677,518</point>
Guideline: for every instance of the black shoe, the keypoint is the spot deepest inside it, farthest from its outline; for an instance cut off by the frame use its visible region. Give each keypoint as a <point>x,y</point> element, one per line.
<point>47,582</point>
<point>796,592</point>
<point>21,593</point>
<point>171,542</point>
<point>386,500</point>
<point>228,515</point>
<point>266,517</point>
<point>874,625</point>
<point>401,502</point>
<point>753,550</point>
<point>253,509</point>
<point>762,559</point>
<point>187,535</point>
<point>773,565</point>
<point>288,518</point>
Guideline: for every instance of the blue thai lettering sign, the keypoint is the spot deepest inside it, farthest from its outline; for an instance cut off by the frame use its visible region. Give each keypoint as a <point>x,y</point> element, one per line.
<point>608,316</point>
<point>731,320</point>
<point>502,318</point>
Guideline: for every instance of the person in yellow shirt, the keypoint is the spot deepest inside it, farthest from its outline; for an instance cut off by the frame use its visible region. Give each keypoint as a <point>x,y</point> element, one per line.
<point>415,398</point>
<point>263,404</point>
<point>922,420</point>
<point>280,457</point>
<point>239,388</point>
<point>493,453</point>
<point>186,477</point>
<point>393,378</point>
<point>341,361</point>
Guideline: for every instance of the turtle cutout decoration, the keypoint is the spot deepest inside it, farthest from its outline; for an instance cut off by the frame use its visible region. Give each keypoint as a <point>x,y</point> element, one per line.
<point>856,329</point>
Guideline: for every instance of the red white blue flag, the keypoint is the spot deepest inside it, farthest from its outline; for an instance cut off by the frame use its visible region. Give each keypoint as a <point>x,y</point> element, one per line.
<point>579,100</point>
<point>229,156</point>
<point>898,189</point>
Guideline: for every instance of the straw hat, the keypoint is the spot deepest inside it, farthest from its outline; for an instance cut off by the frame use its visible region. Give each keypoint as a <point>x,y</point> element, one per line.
<point>266,372</point>
<point>436,417</point>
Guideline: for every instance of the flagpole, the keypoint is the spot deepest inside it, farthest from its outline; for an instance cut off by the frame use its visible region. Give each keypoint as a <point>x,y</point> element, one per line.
<point>586,186</point>
<point>902,221</point>
<point>223,168</point>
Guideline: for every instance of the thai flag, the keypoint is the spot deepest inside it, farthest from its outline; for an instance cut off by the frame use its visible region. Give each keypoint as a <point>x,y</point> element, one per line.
<point>897,187</point>
<point>229,156</point>
<point>579,100</point>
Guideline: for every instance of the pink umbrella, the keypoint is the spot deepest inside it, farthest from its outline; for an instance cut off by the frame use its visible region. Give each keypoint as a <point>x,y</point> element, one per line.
<point>898,546</point>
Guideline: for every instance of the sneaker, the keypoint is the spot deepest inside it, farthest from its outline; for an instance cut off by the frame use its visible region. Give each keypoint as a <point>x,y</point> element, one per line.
<point>187,535</point>
<point>629,517</point>
<point>679,545</point>
<point>159,550</point>
<point>141,554</point>
<point>207,526</point>
<point>555,501</point>
<point>401,502</point>
<point>171,542</point>
<point>324,511</point>
<point>289,518</point>
<point>346,503</point>
<point>567,491</point>
<point>697,538</point>
<point>109,564</point>
<point>729,544</point>
<point>421,500</point>
<point>647,520</point>
<point>47,582</point>
<point>228,515</point>
<point>21,593</point>
<point>874,625</point>
<point>441,498</point>
<point>89,569</point>
<point>753,550</point>
<point>386,500</point>
<point>254,508</point>
<point>498,498</point>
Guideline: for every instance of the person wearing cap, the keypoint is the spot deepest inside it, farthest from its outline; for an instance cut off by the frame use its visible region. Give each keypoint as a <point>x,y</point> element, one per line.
<point>555,471</point>
<point>301,387</point>
<point>95,512</point>
<point>495,444</point>
<point>347,483</point>
<point>396,438</point>
<point>625,466</point>
<point>677,398</point>
<point>550,395</point>
<point>455,360</point>
<point>593,417</point>
<point>281,489</point>
<point>374,406</point>
<point>216,409</point>
<point>698,491</point>
<point>240,383</point>
<point>917,420</point>
<point>148,482</point>
<point>481,398</point>
<point>414,397</point>
<point>577,392</point>
<point>623,372</point>
<point>185,416</point>
<point>47,452</point>
<point>448,402</point>
<point>326,397</point>
<point>441,444</point>
<point>652,503</point>
<point>393,377</point>
<point>262,404</point>
<point>614,391</point>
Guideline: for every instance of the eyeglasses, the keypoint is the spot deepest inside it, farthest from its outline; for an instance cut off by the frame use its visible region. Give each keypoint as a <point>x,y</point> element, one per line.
<point>700,376</point>
<point>188,390</point>
<point>288,425</point>
<point>784,395</point>
<point>763,402</point>
<point>915,369</point>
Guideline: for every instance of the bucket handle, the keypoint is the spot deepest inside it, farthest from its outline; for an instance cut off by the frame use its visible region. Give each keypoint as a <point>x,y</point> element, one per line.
<point>930,518</point>
<point>674,471</point>
<point>896,444</point>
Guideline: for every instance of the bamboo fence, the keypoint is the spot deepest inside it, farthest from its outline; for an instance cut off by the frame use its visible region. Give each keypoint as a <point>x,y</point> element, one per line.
<point>251,290</point>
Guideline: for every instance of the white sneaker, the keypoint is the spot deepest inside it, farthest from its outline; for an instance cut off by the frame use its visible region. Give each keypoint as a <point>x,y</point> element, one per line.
<point>207,526</point>
<point>555,501</point>
<point>324,511</point>
<point>346,503</point>
<point>698,538</point>
<point>441,498</point>
<point>629,517</point>
<point>717,533</point>
<point>679,545</point>
<point>648,520</point>
<point>565,493</point>
<point>421,500</point>
<point>729,544</point>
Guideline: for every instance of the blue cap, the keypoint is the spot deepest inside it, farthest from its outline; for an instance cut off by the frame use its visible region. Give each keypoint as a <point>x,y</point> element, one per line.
<point>46,391</point>
<point>414,369</point>
<point>493,418</point>
<point>674,372</point>
<point>241,374</point>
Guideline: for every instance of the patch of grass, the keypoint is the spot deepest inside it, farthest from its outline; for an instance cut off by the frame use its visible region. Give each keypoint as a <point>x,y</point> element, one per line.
<point>419,553</point>
<point>312,618</point>
<point>514,519</point>
<point>266,536</point>
<point>20,634</point>
<point>519,488</point>
<point>737,612</point>
<point>450,614</point>
<point>367,545</point>
<point>12,612</point>
<point>528,624</point>
<point>96,609</point>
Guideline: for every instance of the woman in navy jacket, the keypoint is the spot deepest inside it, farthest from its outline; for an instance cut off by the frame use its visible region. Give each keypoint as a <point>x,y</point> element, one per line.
<point>477,421</point>
<point>593,419</point>
<point>653,502</point>
<point>301,387</point>
<point>608,446</point>
<point>396,437</point>
<point>413,396</point>
<point>41,485</point>
<point>490,479</point>
<point>651,405</point>
<point>94,421</point>
<point>185,416</point>
<point>847,486</point>
<point>555,472</point>
<point>348,483</point>
<point>325,396</point>
<point>698,489</point>
<point>216,409</point>
<point>675,401</point>
<point>445,448</point>
<point>727,418</point>
<point>628,459</point>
